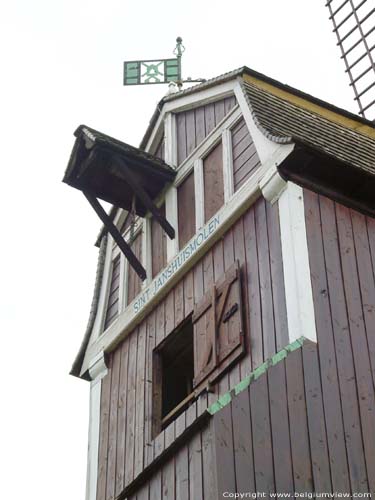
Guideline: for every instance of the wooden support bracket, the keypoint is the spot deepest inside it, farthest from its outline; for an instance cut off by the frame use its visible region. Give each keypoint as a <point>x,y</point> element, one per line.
<point>116,235</point>
<point>127,175</point>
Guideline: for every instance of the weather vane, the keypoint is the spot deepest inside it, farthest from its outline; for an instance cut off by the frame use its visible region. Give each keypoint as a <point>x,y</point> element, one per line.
<point>152,71</point>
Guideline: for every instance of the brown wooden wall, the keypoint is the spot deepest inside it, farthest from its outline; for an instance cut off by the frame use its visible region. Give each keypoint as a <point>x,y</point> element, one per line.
<point>245,156</point>
<point>342,261</point>
<point>283,434</point>
<point>125,437</point>
<point>194,125</point>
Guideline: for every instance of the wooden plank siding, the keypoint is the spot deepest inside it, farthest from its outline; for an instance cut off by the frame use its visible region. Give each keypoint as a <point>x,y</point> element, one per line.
<point>245,156</point>
<point>266,459</point>
<point>342,272</point>
<point>193,126</point>
<point>249,237</point>
<point>213,179</point>
<point>114,294</point>
<point>134,281</point>
<point>159,244</point>
<point>273,437</point>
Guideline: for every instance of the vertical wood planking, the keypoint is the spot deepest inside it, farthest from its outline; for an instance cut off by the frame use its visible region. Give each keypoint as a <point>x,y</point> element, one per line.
<point>121,418</point>
<point>208,465</point>
<point>190,131</point>
<point>316,421</point>
<point>299,437</point>
<point>179,308</point>
<point>281,446</point>
<point>229,103</point>
<point>219,111</point>
<point>277,276</point>
<point>366,280</point>
<point>243,443</point>
<point>358,337</point>
<point>186,210</point>
<point>103,438</point>
<point>209,114</point>
<point>245,157</point>
<point>194,125</point>
<point>134,282</point>
<point>131,410</point>
<point>200,125</point>
<point>255,337</point>
<point>268,323</point>
<point>229,257</point>
<point>149,448</point>
<point>168,480</point>
<point>158,244</point>
<point>112,433</point>
<point>140,400</point>
<point>343,348</point>
<point>195,458</point>
<point>327,355</point>
<point>160,334</point>
<point>262,440</point>
<point>156,486</point>
<point>182,473</point>
<point>189,293</point>
<point>224,451</point>
<point>134,408</point>
<point>213,181</point>
<point>181,137</point>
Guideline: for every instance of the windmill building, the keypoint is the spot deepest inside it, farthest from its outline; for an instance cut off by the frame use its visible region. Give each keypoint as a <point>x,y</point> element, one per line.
<point>231,342</point>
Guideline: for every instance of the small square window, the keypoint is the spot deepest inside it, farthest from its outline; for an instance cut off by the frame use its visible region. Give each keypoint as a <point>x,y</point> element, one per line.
<point>173,376</point>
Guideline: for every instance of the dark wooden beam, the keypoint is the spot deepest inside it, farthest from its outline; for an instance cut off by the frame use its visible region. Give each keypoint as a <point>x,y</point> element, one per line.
<point>116,235</point>
<point>168,452</point>
<point>127,175</point>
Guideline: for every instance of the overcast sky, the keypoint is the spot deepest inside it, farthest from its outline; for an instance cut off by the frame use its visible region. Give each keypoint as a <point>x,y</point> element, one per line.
<point>61,66</point>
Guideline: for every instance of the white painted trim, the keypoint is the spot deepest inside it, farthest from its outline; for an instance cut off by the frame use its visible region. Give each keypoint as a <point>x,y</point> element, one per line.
<point>297,278</point>
<point>189,102</point>
<point>97,370</point>
<point>170,136</point>
<point>227,164</point>
<point>265,147</point>
<point>93,444</point>
<point>171,211</point>
<point>199,193</point>
<point>97,366</point>
<point>121,289</point>
<point>206,96</point>
<point>272,185</point>
<point>144,257</point>
<point>104,290</point>
<point>148,248</point>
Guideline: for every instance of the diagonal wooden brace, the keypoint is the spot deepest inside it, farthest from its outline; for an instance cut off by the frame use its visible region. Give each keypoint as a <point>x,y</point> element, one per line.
<point>116,235</point>
<point>130,179</point>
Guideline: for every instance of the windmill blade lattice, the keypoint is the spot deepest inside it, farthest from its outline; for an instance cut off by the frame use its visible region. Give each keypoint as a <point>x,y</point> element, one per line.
<point>354,26</point>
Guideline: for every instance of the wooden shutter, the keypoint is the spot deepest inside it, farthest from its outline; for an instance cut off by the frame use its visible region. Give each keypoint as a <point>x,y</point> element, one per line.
<point>218,328</point>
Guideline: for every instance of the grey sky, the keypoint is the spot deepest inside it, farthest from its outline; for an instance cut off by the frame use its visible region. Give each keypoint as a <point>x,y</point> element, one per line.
<point>61,66</point>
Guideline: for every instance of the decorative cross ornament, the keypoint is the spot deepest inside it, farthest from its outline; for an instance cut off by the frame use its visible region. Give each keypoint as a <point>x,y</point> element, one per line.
<point>152,71</point>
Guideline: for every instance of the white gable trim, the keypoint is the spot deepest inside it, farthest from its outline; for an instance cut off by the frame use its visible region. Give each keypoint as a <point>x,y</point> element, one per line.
<point>97,371</point>
<point>297,278</point>
<point>191,101</point>
<point>265,147</point>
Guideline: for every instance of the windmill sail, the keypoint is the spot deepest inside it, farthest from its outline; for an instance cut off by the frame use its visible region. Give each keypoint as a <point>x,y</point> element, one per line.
<point>354,26</point>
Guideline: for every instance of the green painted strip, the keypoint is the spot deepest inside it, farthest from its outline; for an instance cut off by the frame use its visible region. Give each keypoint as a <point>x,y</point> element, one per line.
<point>226,398</point>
